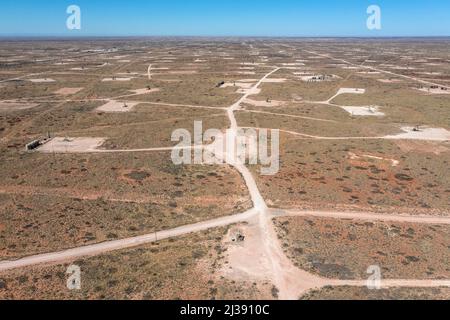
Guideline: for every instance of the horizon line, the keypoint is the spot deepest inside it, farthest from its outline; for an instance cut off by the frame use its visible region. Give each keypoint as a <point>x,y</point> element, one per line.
<point>69,37</point>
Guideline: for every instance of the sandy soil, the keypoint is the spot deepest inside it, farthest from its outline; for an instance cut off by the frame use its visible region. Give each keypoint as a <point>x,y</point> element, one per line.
<point>129,73</point>
<point>275,80</point>
<point>310,78</point>
<point>68,91</point>
<point>433,91</point>
<point>43,80</point>
<point>13,105</point>
<point>183,72</point>
<point>246,72</point>
<point>145,90</point>
<point>303,73</point>
<point>263,103</point>
<point>389,80</point>
<point>427,134</point>
<point>116,106</point>
<point>363,216</point>
<point>431,73</point>
<point>422,146</point>
<point>347,91</point>
<point>402,68</point>
<point>248,80</point>
<point>71,145</point>
<point>260,256</point>
<point>293,64</point>
<point>354,156</point>
<point>242,85</point>
<point>116,79</point>
<point>246,260</point>
<point>251,63</point>
<point>370,111</point>
<point>252,91</point>
<point>99,248</point>
<point>369,72</point>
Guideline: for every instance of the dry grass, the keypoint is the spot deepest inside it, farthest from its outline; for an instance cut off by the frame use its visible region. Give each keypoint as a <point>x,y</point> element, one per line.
<point>78,199</point>
<point>322,174</point>
<point>183,268</point>
<point>340,249</point>
<point>352,293</point>
<point>49,202</point>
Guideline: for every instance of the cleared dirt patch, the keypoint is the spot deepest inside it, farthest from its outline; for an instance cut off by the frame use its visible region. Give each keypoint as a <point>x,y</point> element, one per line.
<point>145,90</point>
<point>246,258</point>
<point>71,145</point>
<point>368,156</point>
<point>390,80</point>
<point>369,72</point>
<point>246,72</point>
<point>68,91</point>
<point>319,78</point>
<point>261,103</point>
<point>242,85</point>
<point>364,111</point>
<point>349,91</point>
<point>116,79</point>
<point>182,72</point>
<point>43,80</point>
<point>117,106</point>
<point>274,80</point>
<point>12,106</point>
<point>426,134</point>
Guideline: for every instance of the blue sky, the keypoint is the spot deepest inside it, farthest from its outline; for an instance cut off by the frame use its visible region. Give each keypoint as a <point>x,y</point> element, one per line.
<point>225,17</point>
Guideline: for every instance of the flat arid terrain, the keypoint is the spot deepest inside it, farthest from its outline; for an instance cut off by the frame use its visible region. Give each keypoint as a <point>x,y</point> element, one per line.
<point>359,207</point>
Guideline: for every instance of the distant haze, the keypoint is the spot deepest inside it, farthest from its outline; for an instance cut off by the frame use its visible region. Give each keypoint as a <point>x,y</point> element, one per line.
<point>225,18</point>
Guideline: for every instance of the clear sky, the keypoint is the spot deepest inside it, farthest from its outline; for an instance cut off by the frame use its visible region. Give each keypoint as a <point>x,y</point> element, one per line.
<point>225,17</point>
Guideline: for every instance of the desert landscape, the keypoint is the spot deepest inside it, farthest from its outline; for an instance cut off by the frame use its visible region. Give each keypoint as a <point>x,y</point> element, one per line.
<point>87,176</point>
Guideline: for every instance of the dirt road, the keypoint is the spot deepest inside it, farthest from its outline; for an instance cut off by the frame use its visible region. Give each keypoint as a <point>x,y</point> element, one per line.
<point>362,216</point>
<point>378,70</point>
<point>100,248</point>
<point>290,281</point>
<point>431,134</point>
